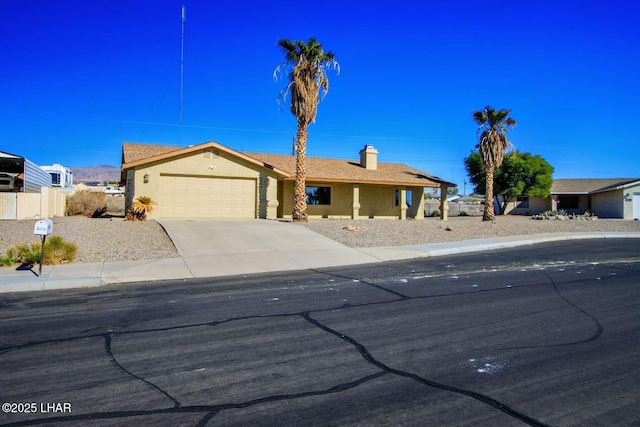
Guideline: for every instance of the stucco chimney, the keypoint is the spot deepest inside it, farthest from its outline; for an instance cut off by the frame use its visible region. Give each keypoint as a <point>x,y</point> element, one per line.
<point>369,157</point>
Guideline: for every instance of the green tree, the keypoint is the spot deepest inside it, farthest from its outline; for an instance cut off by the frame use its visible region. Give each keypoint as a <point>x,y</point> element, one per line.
<point>492,144</point>
<point>521,174</point>
<point>306,65</point>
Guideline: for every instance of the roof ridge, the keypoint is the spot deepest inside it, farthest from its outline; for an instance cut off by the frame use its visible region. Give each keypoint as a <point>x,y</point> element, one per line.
<point>325,169</point>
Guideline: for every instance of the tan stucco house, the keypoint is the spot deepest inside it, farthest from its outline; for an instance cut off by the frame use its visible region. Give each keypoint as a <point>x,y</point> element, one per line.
<point>211,180</point>
<point>604,197</point>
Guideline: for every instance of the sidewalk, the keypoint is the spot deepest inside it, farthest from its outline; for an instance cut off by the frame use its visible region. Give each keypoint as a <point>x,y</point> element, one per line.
<point>323,253</point>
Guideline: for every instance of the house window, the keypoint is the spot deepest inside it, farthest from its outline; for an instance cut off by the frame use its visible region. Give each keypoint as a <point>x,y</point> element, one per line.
<point>409,196</point>
<point>55,178</point>
<point>568,202</point>
<point>318,195</point>
<point>522,202</point>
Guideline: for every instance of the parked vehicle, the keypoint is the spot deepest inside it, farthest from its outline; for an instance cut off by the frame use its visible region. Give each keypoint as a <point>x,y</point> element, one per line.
<point>11,182</point>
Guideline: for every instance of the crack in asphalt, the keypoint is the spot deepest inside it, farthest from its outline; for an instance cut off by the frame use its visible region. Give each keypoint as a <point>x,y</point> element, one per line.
<point>599,328</point>
<point>373,285</point>
<point>114,361</point>
<point>468,393</point>
<point>210,411</point>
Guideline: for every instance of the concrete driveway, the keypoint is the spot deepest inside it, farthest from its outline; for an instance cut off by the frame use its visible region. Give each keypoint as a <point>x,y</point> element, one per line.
<point>218,247</point>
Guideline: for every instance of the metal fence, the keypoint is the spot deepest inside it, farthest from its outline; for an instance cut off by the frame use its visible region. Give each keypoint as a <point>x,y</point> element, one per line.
<point>432,208</point>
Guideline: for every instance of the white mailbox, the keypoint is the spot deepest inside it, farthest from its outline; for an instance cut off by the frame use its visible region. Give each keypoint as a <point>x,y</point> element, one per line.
<point>44,227</point>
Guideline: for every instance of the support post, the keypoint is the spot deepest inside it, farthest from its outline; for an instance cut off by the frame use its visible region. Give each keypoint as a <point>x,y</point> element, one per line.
<point>444,206</point>
<point>403,203</point>
<point>43,238</point>
<point>355,205</point>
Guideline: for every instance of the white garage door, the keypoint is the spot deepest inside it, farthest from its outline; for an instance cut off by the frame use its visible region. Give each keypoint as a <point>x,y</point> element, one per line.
<point>636,205</point>
<point>204,197</point>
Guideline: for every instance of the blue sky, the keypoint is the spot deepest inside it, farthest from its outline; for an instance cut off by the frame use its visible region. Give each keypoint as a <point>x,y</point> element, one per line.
<point>81,77</point>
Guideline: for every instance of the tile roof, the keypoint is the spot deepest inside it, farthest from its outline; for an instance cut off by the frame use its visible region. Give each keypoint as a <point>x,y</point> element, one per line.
<point>588,185</point>
<point>337,170</point>
<point>318,169</point>
<point>132,152</point>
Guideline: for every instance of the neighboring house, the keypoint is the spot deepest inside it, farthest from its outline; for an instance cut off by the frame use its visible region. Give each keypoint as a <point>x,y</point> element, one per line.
<point>213,181</point>
<point>111,190</point>
<point>25,190</point>
<point>605,198</point>
<point>108,190</point>
<point>61,176</point>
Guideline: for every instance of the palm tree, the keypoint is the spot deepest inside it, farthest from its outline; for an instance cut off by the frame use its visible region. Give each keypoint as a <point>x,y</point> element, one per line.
<point>492,126</point>
<point>306,65</point>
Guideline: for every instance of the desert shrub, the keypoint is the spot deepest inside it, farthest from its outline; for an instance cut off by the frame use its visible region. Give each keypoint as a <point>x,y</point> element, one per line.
<point>87,203</point>
<point>463,213</point>
<point>25,254</point>
<point>115,204</point>
<point>56,251</point>
<point>435,213</point>
<point>5,260</point>
<point>141,207</point>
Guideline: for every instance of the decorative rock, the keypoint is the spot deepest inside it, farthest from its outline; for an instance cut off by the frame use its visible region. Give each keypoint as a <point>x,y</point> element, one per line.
<point>354,228</point>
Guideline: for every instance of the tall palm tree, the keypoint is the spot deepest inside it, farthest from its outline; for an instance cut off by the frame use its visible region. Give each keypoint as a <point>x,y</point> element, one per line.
<point>492,144</point>
<point>306,65</point>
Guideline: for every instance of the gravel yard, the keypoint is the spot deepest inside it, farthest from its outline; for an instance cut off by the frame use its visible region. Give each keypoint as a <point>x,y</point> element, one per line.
<point>98,239</point>
<point>374,233</point>
<point>113,239</point>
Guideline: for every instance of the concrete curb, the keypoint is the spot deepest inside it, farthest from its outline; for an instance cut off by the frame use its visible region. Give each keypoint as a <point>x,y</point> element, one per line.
<point>477,245</point>
<point>105,273</point>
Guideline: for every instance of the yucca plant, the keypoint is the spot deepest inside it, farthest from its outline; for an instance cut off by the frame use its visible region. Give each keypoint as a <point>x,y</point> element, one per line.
<point>141,207</point>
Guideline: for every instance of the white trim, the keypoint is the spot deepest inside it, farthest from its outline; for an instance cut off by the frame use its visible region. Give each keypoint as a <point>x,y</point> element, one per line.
<point>619,187</point>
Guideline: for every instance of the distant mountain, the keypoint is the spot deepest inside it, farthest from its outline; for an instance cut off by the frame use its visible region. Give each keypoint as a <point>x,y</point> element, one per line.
<point>98,173</point>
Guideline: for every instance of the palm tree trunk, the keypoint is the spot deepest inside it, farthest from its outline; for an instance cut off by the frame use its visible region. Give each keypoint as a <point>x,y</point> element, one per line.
<point>489,214</point>
<point>300,184</point>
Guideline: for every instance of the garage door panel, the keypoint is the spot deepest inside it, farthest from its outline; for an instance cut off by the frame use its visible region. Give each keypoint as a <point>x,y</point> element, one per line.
<point>205,197</point>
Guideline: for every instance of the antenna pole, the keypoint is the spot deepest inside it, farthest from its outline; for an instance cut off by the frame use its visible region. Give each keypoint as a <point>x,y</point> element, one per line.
<point>184,13</point>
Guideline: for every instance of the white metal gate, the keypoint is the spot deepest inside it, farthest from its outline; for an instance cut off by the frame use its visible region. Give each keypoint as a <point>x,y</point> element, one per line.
<point>8,205</point>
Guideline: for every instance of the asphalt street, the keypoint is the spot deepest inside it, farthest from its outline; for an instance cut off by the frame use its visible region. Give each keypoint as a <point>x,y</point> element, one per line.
<point>546,334</point>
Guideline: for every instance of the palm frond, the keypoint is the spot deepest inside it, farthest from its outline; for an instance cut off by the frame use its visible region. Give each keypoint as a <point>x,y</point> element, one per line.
<point>479,117</point>
<point>306,65</point>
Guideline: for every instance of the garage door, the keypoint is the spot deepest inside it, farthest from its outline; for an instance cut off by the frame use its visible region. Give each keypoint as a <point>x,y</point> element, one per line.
<point>636,205</point>
<point>204,197</point>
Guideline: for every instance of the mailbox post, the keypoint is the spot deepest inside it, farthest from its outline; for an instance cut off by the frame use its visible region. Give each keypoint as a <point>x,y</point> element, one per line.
<point>42,228</point>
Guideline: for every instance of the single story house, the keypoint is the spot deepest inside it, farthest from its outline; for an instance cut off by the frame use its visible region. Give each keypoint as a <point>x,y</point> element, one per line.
<point>211,180</point>
<point>603,197</point>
